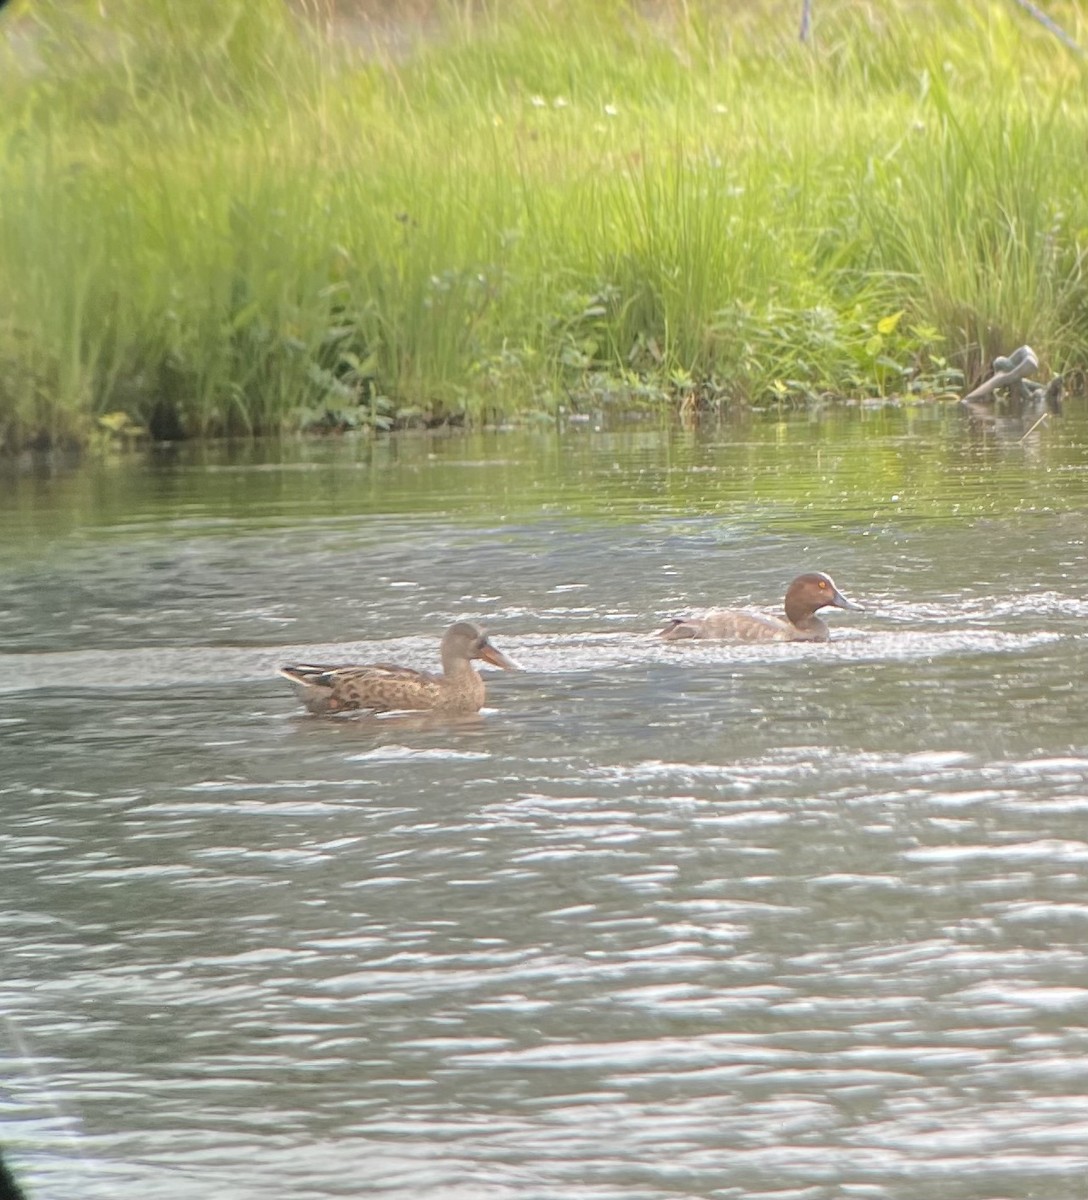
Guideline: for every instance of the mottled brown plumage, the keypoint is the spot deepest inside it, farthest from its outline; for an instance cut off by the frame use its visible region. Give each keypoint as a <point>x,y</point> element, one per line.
<point>806,594</point>
<point>383,687</point>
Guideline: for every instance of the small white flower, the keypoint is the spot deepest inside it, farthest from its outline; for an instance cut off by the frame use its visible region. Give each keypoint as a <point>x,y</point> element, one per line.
<point>720,108</point>
<point>537,101</point>
<point>561,102</point>
<point>610,110</point>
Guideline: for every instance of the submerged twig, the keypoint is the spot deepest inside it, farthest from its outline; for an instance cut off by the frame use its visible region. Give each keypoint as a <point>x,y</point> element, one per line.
<point>1039,422</point>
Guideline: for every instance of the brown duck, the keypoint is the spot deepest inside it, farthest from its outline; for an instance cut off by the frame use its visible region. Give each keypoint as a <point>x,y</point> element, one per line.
<point>382,687</point>
<point>806,594</point>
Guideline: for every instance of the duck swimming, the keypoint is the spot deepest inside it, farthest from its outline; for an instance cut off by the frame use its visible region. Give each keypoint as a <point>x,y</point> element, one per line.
<point>806,594</point>
<point>382,687</point>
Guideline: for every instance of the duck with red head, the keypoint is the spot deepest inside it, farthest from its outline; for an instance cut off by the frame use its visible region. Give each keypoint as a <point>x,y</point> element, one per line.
<point>805,595</point>
<point>383,687</point>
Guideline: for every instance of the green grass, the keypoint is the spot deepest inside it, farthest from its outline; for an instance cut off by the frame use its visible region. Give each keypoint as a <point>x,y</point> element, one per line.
<point>214,220</point>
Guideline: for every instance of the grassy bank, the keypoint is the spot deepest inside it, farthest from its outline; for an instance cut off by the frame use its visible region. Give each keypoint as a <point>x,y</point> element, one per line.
<point>216,218</point>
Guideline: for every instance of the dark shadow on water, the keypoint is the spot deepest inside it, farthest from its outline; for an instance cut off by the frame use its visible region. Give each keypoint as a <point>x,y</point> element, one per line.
<point>367,727</point>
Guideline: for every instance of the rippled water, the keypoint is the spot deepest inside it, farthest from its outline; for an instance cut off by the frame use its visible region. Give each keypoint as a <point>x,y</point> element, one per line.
<point>792,922</point>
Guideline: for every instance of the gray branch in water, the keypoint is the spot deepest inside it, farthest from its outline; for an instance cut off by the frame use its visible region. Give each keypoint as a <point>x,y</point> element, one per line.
<point>1050,24</point>
<point>1007,371</point>
<point>1012,374</point>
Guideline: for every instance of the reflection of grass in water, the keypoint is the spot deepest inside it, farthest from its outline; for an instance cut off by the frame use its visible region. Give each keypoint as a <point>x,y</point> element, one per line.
<point>211,223</point>
<point>845,471</point>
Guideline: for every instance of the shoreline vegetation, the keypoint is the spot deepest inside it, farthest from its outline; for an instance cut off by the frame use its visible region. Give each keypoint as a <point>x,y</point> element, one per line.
<point>229,217</point>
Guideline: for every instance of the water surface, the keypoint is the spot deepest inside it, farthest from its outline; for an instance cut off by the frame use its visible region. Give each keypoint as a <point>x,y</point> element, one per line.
<point>664,921</point>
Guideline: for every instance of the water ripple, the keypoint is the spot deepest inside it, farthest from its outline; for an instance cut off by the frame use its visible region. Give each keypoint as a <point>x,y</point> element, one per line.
<point>781,921</point>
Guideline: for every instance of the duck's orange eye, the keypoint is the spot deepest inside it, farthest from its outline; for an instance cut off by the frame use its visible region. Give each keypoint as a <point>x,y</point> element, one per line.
<point>823,584</point>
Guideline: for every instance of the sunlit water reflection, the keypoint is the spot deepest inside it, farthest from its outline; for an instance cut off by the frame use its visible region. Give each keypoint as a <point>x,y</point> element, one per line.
<point>665,920</point>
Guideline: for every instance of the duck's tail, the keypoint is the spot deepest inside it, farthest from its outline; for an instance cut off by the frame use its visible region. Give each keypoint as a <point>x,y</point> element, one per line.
<point>677,628</point>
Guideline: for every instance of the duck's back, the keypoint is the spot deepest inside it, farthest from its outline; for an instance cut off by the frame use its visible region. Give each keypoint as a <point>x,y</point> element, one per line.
<point>732,624</point>
<point>375,687</point>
